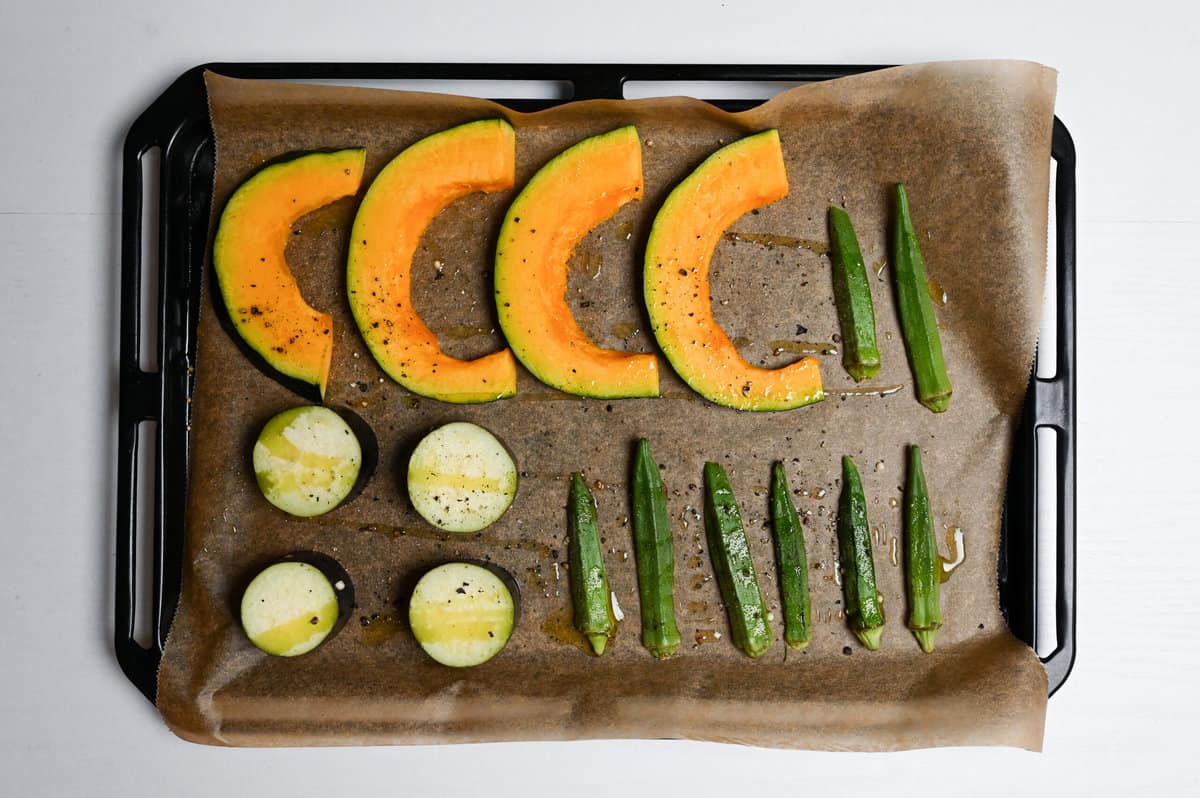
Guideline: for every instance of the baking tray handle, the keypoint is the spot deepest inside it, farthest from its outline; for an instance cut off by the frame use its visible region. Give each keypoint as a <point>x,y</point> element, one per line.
<point>142,395</point>
<point>1056,410</point>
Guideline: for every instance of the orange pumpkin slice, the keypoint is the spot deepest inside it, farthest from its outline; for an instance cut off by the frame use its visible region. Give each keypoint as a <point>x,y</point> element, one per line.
<point>258,289</point>
<point>401,202</point>
<point>733,181</point>
<point>577,190</point>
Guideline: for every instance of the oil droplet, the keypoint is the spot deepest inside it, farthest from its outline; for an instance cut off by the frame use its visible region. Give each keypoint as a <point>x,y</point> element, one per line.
<point>625,231</point>
<point>741,342</point>
<point>463,332</point>
<point>820,493</point>
<point>892,502</point>
<point>770,240</point>
<point>866,390</point>
<point>957,545</point>
<point>590,263</point>
<point>879,466</point>
<point>559,628</point>
<point>543,551</point>
<point>803,348</point>
<point>698,581</point>
<point>546,397</point>
<point>706,636</point>
<point>536,578</point>
<point>878,266</point>
<point>894,551</point>
<point>694,562</point>
<point>697,607</point>
<point>936,293</point>
<point>378,629</point>
<point>875,536</point>
<point>412,402</point>
<point>626,329</point>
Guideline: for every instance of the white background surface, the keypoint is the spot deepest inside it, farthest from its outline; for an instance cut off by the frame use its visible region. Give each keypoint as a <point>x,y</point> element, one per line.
<point>74,75</point>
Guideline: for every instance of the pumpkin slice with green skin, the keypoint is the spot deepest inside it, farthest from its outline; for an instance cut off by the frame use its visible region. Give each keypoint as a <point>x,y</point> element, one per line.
<point>738,178</point>
<point>577,190</point>
<point>410,191</point>
<point>258,289</point>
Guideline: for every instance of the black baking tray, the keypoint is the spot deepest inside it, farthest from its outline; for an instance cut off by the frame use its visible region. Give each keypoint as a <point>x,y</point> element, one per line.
<point>178,124</point>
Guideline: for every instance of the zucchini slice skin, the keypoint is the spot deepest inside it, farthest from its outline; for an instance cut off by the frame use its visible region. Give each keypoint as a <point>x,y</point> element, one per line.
<point>461,478</point>
<point>654,555</point>
<point>922,563</point>
<point>792,560</point>
<point>462,614</point>
<point>730,553</point>
<point>864,612</point>
<point>591,600</point>
<point>307,460</point>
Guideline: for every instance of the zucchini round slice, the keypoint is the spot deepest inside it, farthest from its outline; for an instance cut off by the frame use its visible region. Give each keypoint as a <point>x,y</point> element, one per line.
<point>289,609</point>
<point>307,460</point>
<point>460,478</point>
<point>461,614</point>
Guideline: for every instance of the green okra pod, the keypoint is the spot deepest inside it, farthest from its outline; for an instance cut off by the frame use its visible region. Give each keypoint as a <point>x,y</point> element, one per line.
<point>918,323</point>
<point>922,563</point>
<point>591,599</point>
<point>852,293</point>
<point>792,560</point>
<point>864,611</point>
<point>654,554</point>
<point>730,553</point>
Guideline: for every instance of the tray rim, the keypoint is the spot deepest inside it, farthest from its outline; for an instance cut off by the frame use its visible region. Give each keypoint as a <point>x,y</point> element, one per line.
<point>162,396</point>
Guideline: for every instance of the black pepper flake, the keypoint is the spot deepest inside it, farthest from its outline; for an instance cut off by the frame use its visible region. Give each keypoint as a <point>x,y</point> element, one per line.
<point>683,272</point>
<point>847,650</point>
<point>315,620</point>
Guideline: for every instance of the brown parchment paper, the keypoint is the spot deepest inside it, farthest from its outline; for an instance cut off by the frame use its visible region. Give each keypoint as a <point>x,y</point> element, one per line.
<point>970,140</point>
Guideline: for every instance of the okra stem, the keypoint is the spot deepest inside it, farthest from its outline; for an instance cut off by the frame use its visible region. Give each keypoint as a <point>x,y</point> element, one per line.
<point>918,323</point>
<point>852,292</point>
<point>730,553</point>
<point>864,612</point>
<point>921,558</point>
<point>792,560</point>
<point>590,596</point>
<point>654,554</point>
